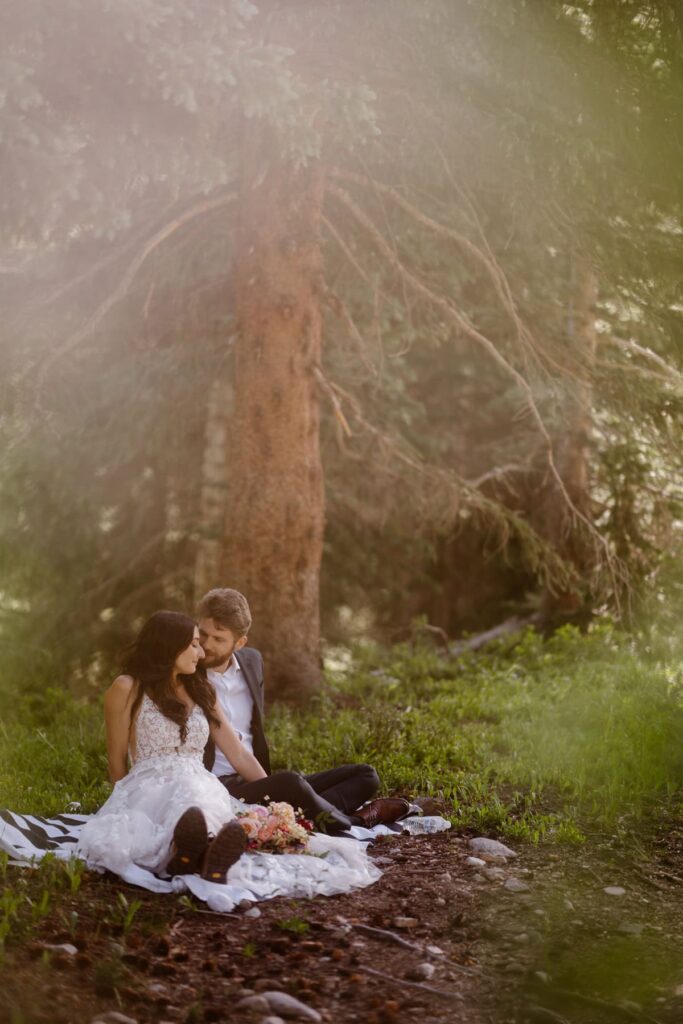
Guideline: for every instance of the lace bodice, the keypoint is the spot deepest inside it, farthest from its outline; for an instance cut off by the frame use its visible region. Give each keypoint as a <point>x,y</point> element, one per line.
<point>155,734</point>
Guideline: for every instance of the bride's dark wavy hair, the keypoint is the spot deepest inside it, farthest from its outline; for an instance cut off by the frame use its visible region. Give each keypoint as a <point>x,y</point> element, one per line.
<point>150,660</point>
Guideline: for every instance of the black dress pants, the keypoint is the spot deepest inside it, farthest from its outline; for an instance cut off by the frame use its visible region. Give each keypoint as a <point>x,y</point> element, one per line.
<point>328,798</point>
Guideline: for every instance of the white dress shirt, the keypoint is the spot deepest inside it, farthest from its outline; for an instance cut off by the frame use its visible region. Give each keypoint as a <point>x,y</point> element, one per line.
<point>234,697</point>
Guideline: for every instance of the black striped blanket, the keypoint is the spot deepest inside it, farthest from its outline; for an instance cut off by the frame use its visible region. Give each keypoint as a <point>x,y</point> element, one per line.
<point>30,836</point>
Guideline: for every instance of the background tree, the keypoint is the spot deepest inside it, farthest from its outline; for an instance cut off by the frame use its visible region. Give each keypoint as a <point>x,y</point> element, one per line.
<point>195,205</point>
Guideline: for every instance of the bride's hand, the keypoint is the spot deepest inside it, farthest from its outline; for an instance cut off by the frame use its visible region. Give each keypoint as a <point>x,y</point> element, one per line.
<point>229,743</point>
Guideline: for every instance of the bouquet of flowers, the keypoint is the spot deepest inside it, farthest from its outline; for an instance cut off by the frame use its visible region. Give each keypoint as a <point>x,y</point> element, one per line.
<point>276,828</point>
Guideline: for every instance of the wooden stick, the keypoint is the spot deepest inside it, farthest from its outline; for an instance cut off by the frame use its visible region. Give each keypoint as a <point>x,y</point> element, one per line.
<point>411,984</point>
<point>387,936</point>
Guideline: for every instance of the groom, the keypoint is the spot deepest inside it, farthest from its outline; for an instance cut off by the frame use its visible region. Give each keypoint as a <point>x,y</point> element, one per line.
<point>331,798</point>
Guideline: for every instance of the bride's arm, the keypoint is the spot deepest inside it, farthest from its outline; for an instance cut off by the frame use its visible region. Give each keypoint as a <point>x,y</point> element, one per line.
<point>118,701</point>
<point>227,741</point>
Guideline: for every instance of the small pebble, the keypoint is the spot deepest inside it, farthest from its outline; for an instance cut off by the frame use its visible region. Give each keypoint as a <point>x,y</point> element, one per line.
<point>252,912</point>
<point>475,862</point>
<point>515,885</point>
<point>630,929</point>
<point>614,890</point>
<point>423,972</point>
<point>288,1006</point>
<point>264,984</point>
<point>492,847</point>
<point>256,1003</point>
<point>272,1020</point>
<point>440,901</point>
<point>435,950</point>
<point>405,922</point>
<point>542,977</point>
<point>514,969</point>
<point>493,874</point>
<point>62,947</point>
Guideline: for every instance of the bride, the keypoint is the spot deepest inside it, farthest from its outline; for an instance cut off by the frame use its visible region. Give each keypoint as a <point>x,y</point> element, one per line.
<point>160,713</point>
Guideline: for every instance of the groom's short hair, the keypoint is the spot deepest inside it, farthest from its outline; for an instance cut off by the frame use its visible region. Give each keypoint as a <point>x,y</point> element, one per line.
<point>228,608</point>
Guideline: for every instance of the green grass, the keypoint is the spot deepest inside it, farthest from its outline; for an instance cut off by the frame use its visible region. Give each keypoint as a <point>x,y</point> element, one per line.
<point>536,740</point>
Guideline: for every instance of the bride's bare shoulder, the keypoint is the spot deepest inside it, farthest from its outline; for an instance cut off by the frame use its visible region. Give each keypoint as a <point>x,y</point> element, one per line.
<point>121,691</point>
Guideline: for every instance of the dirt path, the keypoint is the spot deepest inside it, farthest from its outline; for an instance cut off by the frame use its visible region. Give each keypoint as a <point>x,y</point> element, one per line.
<point>435,940</point>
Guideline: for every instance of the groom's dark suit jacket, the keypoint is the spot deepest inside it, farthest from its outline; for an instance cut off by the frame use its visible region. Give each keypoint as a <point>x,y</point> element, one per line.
<point>251,663</point>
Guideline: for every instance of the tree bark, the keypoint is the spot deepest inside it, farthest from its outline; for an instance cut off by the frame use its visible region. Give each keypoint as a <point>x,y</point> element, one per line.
<point>214,489</point>
<point>273,544</point>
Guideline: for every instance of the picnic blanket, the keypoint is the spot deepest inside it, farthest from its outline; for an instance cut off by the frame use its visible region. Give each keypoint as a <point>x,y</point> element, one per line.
<point>27,838</point>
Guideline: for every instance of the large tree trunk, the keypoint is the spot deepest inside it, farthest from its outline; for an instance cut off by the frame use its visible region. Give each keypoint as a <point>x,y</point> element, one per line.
<point>572,448</point>
<point>273,545</point>
<point>214,488</point>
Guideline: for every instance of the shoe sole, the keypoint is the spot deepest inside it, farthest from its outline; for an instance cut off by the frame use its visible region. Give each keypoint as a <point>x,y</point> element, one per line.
<point>225,850</point>
<point>190,839</point>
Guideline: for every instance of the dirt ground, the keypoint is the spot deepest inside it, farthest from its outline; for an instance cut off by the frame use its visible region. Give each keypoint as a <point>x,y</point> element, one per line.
<point>434,940</point>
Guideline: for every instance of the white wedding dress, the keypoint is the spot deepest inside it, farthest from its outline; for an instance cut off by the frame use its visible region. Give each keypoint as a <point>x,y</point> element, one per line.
<point>131,834</point>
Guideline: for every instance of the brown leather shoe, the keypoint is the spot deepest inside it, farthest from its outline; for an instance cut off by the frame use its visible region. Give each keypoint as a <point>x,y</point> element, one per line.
<point>384,811</point>
<point>224,851</point>
<point>190,838</point>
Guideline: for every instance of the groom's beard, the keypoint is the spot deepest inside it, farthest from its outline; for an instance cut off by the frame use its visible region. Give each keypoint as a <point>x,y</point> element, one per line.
<point>214,660</point>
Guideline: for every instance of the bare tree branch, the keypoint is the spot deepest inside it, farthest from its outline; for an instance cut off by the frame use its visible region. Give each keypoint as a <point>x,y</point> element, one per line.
<point>634,348</point>
<point>616,570</point>
<point>93,322</point>
<point>545,559</point>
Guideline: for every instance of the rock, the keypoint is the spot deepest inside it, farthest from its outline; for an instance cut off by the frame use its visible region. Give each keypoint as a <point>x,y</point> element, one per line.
<point>157,988</point>
<point>265,984</point>
<point>493,874</point>
<point>257,1003</point>
<point>522,939</point>
<point>112,1017</point>
<point>287,1006</point>
<point>614,890</point>
<point>435,950</point>
<point>568,904</point>
<point>542,977</point>
<point>475,862</point>
<point>447,877</point>
<point>514,969</point>
<point>252,912</point>
<point>272,1020</point>
<point>630,929</point>
<point>678,992</point>
<point>423,972</point>
<point>515,885</point>
<point>62,947</point>
<point>440,901</point>
<point>491,847</point>
<point>406,922</point>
